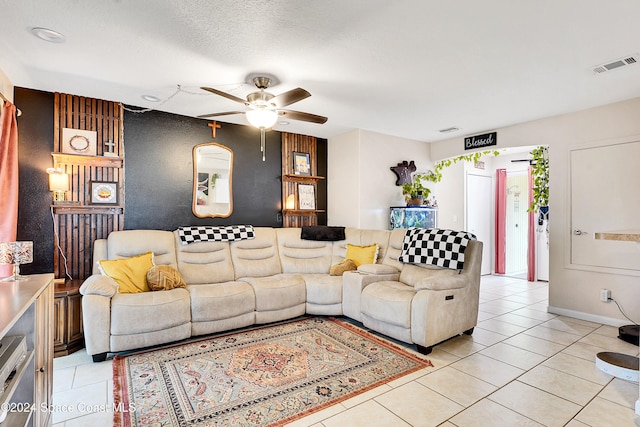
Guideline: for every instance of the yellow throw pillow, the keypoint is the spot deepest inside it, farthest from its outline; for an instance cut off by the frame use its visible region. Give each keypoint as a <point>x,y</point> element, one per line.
<point>129,273</point>
<point>164,278</point>
<point>362,254</point>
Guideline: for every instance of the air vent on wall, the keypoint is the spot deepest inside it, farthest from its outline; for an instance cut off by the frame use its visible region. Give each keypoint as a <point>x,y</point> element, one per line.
<point>628,60</point>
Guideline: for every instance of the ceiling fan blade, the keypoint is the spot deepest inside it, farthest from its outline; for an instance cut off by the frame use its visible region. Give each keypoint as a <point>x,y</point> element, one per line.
<point>226,113</point>
<point>305,117</point>
<point>289,97</point>
<point>224,94</point>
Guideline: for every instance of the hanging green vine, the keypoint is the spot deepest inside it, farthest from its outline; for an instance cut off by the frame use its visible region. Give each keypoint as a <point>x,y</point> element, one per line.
<point>540,175</point>
<point>436,174</point>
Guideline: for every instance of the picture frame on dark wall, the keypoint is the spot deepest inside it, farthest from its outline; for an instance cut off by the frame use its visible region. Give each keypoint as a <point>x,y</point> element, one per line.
<point>301,163</point>
<point>306,197</point>
<point>80,142</point>
<point>103,193</point>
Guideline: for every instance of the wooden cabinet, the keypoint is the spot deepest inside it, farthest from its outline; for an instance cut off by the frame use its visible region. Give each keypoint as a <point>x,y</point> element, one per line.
<point>26,309</point>
<point>43,357</point>
<point>68,333</point>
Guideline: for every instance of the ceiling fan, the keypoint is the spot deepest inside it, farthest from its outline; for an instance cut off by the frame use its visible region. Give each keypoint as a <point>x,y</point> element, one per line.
<point>265,108</point>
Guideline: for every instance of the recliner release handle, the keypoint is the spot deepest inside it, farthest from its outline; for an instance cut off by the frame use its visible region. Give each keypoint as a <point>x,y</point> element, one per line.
<point>448,297</point>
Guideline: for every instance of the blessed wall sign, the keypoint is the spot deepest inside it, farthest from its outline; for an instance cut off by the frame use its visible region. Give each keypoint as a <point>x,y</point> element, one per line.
<point>478,141</point>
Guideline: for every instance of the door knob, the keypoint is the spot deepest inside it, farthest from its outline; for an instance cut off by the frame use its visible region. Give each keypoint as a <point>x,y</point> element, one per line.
<point>579,232</point>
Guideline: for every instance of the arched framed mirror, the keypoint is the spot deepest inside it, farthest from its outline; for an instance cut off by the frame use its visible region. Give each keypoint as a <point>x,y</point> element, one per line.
<point>212,172</point>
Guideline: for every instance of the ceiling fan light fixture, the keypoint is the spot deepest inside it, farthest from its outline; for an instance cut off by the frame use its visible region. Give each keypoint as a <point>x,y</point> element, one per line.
<point>262,118</point>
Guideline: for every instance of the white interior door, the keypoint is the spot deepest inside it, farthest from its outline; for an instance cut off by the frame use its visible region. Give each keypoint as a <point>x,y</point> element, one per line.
<point>604,197</point>
<point>479,209</point>
<point>517,224</point>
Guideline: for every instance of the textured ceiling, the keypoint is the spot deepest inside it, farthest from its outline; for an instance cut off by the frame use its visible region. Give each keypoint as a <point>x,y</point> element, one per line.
<point>403,68</point>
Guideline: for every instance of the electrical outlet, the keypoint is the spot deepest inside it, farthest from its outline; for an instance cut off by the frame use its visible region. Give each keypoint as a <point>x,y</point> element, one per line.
<point>605,295</point>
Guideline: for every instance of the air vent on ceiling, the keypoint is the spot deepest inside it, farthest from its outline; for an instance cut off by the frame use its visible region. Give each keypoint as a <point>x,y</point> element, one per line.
<point>628,60</point>
<point>449,130</point>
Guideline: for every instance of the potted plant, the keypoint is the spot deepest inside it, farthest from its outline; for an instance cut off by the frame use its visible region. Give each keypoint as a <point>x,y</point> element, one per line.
<point>415,192</point>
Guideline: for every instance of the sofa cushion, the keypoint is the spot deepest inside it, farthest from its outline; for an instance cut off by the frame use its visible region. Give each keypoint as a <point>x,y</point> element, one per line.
<point>278,292</point>
<point>413,274</point>
<point>218,301</point>
<point>127,243</point>
<point>389,302</point>
<point>257,257</point>
<point>394,248</point>
<point>149,311</point>
<point>362,254</point>
<point>302,256</point>
<point>355,236</point>
<point>204,262</point>
<point>164,278</point>
<point>442,280</point>
<point>323,289</point>
<point>129,273</point>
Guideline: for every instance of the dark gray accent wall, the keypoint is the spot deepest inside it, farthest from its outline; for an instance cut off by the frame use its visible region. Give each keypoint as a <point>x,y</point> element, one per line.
<point>35,144</point>
<point>158,173</point>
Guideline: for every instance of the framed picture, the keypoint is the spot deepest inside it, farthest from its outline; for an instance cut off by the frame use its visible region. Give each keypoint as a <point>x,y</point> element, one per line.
<point>301,163</point>
<point>76,141</point>
<point>103,193</point>
<point>306,197</point>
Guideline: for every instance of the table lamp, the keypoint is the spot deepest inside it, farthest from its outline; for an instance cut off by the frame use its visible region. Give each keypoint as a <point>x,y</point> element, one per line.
<point>16,253</point>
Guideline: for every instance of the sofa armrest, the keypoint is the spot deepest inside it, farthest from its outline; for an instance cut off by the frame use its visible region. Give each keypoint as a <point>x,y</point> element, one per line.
<point>353,282</point>
<point>379,269</point>
<point>441,282</point>
<point>99,285</point>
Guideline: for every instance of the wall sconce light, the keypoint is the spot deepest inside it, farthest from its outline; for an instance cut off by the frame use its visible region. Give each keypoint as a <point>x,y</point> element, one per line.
<point>290,202</point>
<point>16,253</point>
<point>58,184</point>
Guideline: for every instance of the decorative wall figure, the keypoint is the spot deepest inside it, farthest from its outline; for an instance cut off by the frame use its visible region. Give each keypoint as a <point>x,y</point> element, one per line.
<point>403,171</point>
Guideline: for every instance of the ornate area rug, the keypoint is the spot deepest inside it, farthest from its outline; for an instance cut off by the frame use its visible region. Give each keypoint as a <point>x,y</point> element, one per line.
<point>267,376</point>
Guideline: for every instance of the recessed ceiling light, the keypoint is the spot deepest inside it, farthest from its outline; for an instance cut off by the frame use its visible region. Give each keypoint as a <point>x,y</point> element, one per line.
<point>150,98</point>
<point>283,122</point>
<point>48,35</point>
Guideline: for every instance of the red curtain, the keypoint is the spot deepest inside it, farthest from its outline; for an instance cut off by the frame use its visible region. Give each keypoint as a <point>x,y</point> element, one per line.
<point>531,246</point>
<point>8,178</point>
<point>501,213</point>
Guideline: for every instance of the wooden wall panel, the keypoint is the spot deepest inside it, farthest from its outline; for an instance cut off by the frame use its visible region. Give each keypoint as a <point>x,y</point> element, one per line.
<point>307,144</point>
<point>79,226</point>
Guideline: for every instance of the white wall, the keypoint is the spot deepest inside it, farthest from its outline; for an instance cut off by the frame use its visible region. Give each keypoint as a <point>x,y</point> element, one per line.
<point>6,87</point>
<point>360,185</point>
<point>572,291</point>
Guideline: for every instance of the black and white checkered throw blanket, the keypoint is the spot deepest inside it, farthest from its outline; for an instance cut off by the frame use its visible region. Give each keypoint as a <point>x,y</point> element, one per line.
<point>441,247</point>
<point>207,233</point>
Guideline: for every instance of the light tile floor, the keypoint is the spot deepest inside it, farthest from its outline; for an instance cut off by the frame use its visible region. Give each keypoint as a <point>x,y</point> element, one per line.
<point>521,367</point>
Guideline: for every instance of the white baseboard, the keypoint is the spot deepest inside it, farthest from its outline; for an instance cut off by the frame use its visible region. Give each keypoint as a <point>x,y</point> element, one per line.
<point>587,316</point>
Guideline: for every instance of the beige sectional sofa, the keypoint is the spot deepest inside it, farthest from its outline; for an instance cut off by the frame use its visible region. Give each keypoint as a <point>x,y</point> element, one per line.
<point>272,277</point>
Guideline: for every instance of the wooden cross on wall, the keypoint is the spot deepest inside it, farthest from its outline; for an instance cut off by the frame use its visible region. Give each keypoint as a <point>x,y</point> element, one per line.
<point>213,125</point>
<point>110,146</point>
